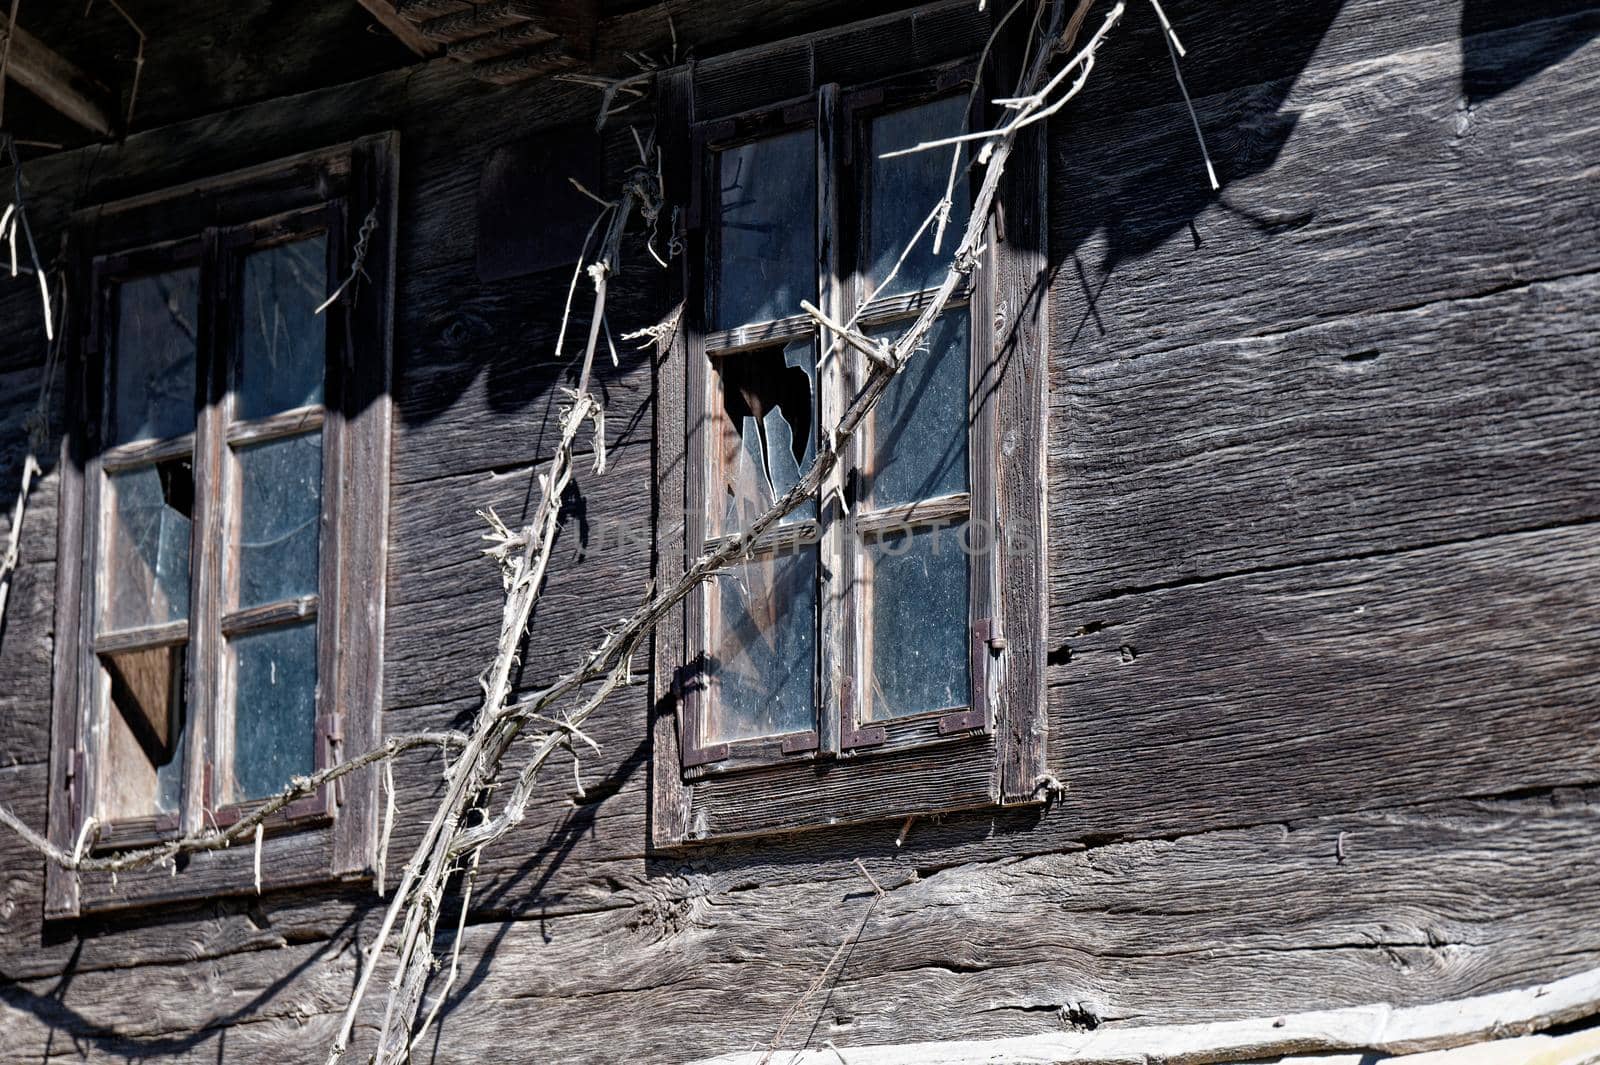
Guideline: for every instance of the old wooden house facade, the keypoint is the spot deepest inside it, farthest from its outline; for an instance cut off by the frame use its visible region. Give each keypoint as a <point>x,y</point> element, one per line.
<point>1268,688</point>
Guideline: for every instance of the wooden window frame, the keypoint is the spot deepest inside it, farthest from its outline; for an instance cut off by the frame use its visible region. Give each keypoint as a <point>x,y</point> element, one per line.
<point>988,753</point>
<point>212,224</point>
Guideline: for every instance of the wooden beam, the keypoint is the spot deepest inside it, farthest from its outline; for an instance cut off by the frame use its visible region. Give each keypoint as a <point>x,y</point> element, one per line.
<point>57,82</point>
<point>1363,1030</point>
<point>404,31</point>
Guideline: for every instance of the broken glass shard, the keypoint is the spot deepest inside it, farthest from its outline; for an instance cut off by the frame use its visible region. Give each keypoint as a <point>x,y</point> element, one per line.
<point>147,545</point>
<point>762,667</point>
<point>145,737</point>
<point>283,342</point>
<point>766,431</point>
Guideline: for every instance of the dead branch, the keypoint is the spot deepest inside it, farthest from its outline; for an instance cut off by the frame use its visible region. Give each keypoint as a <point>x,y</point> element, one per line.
<point>210,839</point>
<point>523,558</point>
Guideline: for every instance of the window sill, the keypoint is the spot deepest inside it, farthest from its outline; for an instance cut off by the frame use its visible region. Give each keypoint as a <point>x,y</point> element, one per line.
<point>292,855</point>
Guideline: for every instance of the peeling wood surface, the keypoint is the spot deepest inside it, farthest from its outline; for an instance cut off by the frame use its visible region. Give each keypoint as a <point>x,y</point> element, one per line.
<point>1323,608</point>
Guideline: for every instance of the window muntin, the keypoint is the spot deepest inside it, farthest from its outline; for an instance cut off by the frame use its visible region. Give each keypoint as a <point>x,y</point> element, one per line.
<point>161,497</point>
<point>908,482</point>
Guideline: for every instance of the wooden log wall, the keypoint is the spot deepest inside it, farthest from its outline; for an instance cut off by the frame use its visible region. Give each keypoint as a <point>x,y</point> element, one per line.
<point>1324,582</point>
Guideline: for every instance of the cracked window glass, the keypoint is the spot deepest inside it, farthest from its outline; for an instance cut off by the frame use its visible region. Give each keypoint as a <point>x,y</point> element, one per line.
<point>283,342</point>
<point>280,511</point>
<point>765,434</point>
<point>766,229</point>
<point>274,719</point>
<point>762,667</point>
<point>918,439</point>
<point>916,587</point>
<point>147,545</point>
<point>157,320</point>
<point>905,188</point>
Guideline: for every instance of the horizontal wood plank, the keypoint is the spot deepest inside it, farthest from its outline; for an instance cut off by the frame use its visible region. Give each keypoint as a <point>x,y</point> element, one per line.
<point>1366,433</point>
<point>1360,186</point>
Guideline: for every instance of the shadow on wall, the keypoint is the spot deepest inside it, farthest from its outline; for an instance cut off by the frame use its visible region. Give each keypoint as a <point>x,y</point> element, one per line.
<point>1148,181</point>
<point>1492,64</point>
<point>81,1033</point>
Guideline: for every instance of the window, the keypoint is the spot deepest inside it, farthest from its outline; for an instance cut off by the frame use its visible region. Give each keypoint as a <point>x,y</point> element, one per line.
<point>880,652</point>
<point>227,486</point>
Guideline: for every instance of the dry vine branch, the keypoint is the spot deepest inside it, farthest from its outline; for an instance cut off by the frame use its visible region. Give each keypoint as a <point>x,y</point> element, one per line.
<point>523,558</point>
<point>38,420</point>
<point>210,839</point>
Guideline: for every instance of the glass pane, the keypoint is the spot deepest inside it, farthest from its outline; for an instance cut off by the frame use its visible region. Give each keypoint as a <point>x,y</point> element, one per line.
<point>765,431</point>
<point>280,507</point>
<point>767,233</point>
<point>157,319</point>
<point>144,774</point>
<point>763,663</point>
<point>146,570</point>
<point>906,188</point>
<point>283,343</point>
<point>919,429</point>
<point>917,637</point>
<point>275,708</point>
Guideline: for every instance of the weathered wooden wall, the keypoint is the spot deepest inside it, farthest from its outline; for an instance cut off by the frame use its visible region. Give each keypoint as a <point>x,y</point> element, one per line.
<point>1325,583</point>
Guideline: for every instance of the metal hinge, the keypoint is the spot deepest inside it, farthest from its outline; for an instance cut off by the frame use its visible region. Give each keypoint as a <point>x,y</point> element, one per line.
<point>853,736</point>
<point>77,773</point>
<point>332,728</point>
<point>986,643</point>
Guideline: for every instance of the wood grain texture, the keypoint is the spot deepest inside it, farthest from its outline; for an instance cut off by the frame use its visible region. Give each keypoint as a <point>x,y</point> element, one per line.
<point>1426,904</point>
<point>68,90</point>
<point>445,595</point>
<point>1457,670</point>
<point>1362,186</point>
<point>1361,434</point>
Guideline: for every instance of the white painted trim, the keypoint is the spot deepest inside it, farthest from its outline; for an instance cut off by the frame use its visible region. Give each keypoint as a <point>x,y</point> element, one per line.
<point>1377,1028</point>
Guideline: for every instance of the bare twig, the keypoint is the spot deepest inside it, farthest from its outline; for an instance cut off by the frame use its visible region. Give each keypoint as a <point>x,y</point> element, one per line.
<point>214,838</point>
<point>1175,50</point>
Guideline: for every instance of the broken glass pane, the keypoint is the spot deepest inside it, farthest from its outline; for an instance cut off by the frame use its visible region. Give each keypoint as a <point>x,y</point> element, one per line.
<point>147,545</point>
<point>917,636</point>
<point>766,431</point>
<point>145,739</point>
<point>762,666</point>
<point>766,229</point>
<point>906,188</point>
<point>918,447</point>
<point>283,342</point>
<point>157,318</point>
<point>275,708</point>
<point>280,511</point>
